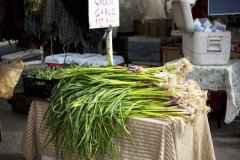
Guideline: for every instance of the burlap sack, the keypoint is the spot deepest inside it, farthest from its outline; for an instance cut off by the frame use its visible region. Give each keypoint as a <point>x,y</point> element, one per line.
<point>9,77</point>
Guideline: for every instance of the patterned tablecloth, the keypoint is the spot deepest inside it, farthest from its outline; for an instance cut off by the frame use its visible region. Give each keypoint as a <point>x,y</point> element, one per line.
<point>151,139</point>
<point>226,78</point>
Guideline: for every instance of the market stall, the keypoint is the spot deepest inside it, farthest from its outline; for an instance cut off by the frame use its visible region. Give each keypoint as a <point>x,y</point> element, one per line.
<point>87,102</point>
<point>150,113</point>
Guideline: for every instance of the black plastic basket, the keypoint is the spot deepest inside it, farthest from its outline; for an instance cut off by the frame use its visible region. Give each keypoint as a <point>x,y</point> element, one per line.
<point>38,88</point>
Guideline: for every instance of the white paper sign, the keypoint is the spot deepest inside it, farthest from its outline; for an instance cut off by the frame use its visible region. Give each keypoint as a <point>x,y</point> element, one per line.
<point>103,13</point>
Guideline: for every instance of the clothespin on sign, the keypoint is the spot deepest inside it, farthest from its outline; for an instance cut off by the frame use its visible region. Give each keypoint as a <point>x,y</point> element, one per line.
<point>109,46</point>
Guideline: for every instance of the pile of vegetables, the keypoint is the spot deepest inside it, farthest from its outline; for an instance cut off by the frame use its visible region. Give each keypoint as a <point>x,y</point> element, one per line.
<point>43,74</point>
<point>90,106</point>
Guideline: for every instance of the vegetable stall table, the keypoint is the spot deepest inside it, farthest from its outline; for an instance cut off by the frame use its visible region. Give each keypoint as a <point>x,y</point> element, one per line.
<point>218,78</point>
<point>150,139</point>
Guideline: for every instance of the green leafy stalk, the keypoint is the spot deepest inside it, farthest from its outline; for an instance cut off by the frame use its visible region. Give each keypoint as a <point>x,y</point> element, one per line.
<point>90,107</point>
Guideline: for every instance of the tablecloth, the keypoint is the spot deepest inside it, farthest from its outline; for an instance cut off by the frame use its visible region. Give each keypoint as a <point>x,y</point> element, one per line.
<point>151,139</point>
<point>224,77</point>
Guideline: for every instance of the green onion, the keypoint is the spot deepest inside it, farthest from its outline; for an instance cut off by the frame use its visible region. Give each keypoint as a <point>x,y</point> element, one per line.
<point>90,107</point>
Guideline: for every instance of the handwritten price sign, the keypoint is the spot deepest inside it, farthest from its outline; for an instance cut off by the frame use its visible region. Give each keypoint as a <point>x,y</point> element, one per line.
<point>103,13</point>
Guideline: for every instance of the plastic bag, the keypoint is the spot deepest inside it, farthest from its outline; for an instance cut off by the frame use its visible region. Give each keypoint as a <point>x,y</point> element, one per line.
<point>10,75</point>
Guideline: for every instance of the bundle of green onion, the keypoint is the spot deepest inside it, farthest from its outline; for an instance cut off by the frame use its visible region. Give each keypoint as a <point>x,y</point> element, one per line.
<point>90,106</point>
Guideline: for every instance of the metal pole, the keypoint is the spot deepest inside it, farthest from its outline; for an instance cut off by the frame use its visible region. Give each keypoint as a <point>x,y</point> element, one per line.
<point>42,54</point>
<point>109,47</point>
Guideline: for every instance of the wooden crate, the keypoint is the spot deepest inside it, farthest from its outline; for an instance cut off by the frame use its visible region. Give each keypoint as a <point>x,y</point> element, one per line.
<point>170,54</point>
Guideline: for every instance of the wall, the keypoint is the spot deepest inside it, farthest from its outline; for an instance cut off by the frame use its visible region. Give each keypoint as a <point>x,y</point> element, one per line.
<point>141,10</point>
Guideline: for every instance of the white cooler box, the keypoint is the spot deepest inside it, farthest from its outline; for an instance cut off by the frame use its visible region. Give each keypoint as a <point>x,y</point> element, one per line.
<point>201,48</point>
<point>204,48</point>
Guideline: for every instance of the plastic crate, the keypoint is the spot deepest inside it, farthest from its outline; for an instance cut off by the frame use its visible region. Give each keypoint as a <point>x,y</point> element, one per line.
<point>143,50</point>
<point>37,87</point>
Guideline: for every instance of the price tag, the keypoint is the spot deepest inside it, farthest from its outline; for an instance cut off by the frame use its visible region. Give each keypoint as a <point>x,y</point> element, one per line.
<point>103,13</point>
